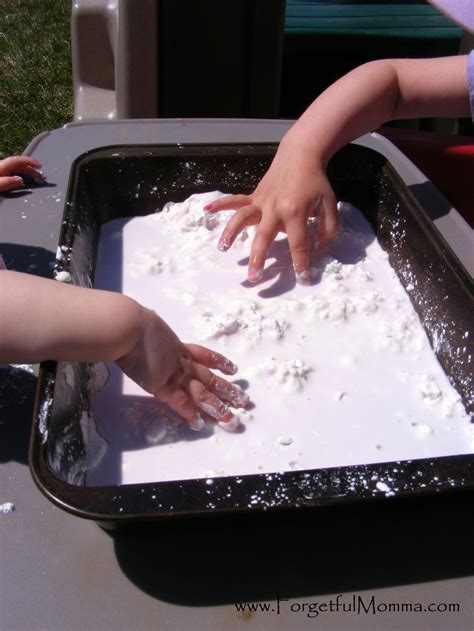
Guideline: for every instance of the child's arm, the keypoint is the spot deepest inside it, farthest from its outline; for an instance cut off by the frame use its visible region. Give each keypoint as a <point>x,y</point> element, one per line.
<point>41,319</point>
<point>295,187</point>
<point>12,168</point>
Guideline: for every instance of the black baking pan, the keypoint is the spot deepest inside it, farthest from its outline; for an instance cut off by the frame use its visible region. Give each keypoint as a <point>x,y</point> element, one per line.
<point>121,181</point>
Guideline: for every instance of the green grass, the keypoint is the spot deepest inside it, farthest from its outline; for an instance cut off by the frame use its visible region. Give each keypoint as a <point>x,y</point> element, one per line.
<point>35,71</point>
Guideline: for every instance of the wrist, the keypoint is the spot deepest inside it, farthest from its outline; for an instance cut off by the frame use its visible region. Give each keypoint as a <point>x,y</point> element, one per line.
<point>304,145</point>
<point>134,319</point>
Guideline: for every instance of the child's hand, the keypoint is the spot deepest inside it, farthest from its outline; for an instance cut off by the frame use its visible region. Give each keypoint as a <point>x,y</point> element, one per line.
<point>294,189</point>
<point>23,165</point>
<point>178,374</point>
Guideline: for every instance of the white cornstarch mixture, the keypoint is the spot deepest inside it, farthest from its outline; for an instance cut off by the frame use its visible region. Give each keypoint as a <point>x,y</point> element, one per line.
<point>339,372</point>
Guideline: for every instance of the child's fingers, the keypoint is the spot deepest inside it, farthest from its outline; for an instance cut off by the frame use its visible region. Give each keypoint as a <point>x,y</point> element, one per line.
<point>264,237</point>
<point>246,216</point>
<point>211,359</point>
<point>16,163</point>
<point>31,172</point>
<point>180,402</point>
<point>10,183</point>
<point>229,202</point>
<point>220,387</point>
<point>299,247</point>
<point>208,402</point>
<point>331,215</point>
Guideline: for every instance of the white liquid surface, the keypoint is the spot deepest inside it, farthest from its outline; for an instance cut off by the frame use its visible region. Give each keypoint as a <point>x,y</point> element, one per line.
<point>339,372</point>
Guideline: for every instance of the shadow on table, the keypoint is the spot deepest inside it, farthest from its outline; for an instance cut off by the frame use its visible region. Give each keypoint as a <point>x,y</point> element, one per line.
<point>17,394</point>
<point>26,258</point>
<point>301,553</point>
<point>434,203</point>
<point>18,385</point>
